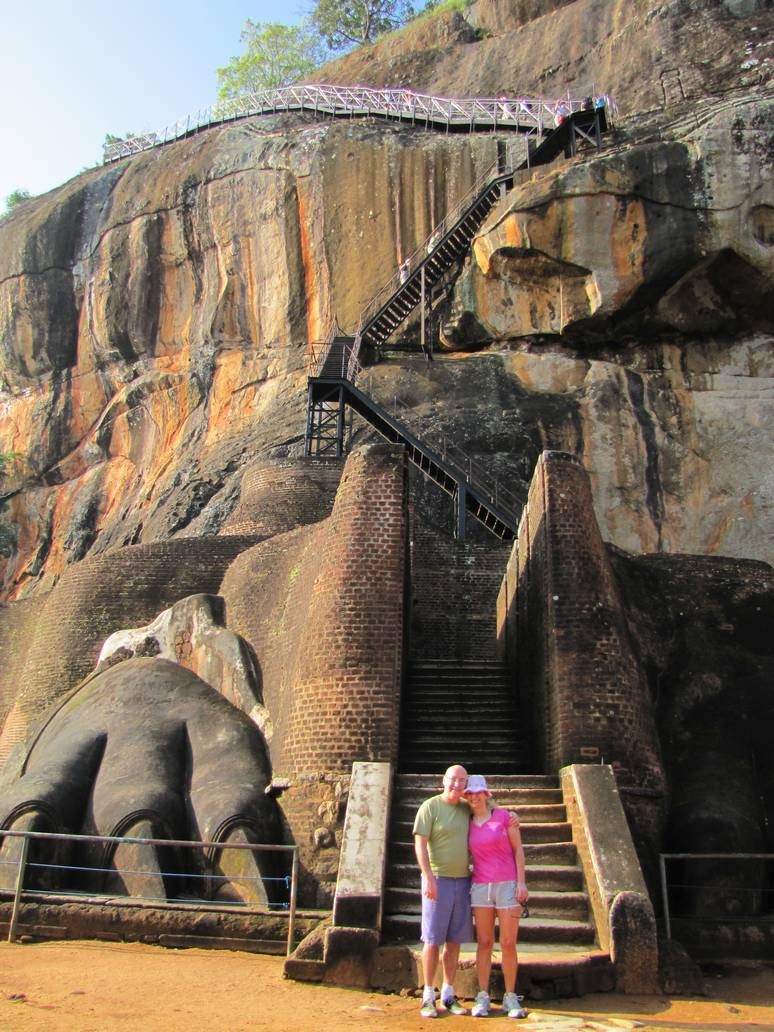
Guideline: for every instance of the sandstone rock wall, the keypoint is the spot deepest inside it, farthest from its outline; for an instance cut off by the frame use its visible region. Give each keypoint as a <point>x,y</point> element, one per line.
<point>647,54</point>
<point>156,314</point>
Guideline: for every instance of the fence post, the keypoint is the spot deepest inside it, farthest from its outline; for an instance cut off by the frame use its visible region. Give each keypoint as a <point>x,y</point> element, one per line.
<point>19,883</point>
<point>664,895</point>
<point>292,911</point>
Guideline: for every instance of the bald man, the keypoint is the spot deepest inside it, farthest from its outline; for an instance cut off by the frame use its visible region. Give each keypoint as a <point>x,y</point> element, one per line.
<point>441,846</point>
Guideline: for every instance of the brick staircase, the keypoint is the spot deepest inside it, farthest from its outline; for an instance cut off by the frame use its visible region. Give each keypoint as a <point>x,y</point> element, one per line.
<point>460,713</point>
<point>558,904</point>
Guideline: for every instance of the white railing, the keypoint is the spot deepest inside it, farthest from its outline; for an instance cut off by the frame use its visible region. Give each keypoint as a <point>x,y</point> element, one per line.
<point>525,114</point>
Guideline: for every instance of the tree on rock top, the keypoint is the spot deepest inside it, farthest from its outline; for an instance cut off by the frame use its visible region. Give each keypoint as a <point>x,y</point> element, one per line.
<point>275,55</point>
<point>344,22</point>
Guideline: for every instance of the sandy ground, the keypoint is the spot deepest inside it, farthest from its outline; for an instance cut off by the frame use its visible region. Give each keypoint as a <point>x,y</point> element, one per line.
<point>96,986</point>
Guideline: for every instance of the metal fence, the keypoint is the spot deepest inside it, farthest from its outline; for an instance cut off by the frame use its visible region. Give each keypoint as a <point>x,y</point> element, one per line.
<point>78,872</point>
<point>523,114</point>
<point>725,891</point>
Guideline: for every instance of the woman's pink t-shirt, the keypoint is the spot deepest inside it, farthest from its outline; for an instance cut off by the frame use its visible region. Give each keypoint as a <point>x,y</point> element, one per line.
<point>490,847</point>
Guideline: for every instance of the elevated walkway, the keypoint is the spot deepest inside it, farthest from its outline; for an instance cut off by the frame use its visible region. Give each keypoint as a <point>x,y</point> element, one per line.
<point>530,115</point>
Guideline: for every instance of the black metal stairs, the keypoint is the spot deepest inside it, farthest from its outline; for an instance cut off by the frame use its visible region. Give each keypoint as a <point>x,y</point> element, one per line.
<point>325,430</point>
<point>449,248</point>
<point>443,254</point>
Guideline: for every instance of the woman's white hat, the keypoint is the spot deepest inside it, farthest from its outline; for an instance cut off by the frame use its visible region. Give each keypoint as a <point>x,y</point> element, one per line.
<point>477,783</point>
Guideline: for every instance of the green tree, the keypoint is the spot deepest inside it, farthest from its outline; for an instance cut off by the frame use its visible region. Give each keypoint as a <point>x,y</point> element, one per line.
<point>15,198</point>
<point>275,55</point>
<point>344,22</point>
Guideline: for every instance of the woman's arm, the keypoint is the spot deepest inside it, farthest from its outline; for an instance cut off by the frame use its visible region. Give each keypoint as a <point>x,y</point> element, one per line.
<point>514,837</point>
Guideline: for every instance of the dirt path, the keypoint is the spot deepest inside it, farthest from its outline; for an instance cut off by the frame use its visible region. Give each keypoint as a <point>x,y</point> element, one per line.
<point>94,987</point>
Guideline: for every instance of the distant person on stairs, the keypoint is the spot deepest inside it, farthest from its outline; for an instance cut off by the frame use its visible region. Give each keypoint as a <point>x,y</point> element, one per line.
<point>441,845</point>
<point>498,888</point>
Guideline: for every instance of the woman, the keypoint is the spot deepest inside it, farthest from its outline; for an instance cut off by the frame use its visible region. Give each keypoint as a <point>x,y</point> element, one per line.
<point>498,888</point>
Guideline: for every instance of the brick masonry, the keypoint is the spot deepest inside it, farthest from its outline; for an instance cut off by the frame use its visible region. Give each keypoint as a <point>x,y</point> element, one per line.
<point>562,627</point>
<point>454,587</point>
<point>323,609</point>
<point>281,494</point>
<point>103,594</point>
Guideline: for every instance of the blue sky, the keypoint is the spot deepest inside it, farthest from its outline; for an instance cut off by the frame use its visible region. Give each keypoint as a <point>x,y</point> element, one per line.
<point>69,73</point>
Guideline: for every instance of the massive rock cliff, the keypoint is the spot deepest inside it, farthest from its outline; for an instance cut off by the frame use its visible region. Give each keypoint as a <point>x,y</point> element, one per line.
<point>157,318</point>
<point>158,315</point>
<point>648,54</point>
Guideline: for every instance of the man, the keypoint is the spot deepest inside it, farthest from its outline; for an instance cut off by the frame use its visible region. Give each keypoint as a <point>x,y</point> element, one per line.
<point>441,847</point>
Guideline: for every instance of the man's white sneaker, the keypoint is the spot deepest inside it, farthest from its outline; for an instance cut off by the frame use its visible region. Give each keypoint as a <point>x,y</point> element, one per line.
<point>453,1006</point>
<point>512,1006</point>
<point>428,1009</point>
<point>481,1006</point>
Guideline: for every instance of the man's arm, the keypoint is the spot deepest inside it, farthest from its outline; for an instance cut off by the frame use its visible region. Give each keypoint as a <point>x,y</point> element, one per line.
<point>423,859</point>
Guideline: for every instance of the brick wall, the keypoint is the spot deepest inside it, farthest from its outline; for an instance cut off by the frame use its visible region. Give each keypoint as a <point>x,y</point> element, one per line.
<point>323,609</point>
<point>563,626</point>
<point>346,696</point>
<point>454,587</point>
<point>281,494</point>
<point>17,625</point>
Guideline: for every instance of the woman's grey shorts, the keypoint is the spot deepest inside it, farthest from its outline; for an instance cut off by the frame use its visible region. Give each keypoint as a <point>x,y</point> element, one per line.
<point>498,894</point>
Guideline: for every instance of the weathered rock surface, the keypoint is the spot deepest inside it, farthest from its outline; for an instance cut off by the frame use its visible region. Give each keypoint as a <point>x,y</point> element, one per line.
<point>674,232</point>
<point>647,54</point>
<point>156,318</point>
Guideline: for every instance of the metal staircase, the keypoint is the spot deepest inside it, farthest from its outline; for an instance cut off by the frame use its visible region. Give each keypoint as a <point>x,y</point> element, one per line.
<point>473,493</point>
<point>332,387</point>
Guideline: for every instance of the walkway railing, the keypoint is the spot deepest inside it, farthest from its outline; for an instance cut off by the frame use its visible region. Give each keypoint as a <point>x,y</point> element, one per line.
<point>184,877</point>
<point>532,115</point>
<point>458,460</point>
<point>725,890</point>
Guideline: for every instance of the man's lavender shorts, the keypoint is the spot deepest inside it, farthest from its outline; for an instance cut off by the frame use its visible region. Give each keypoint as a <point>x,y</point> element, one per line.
<point>448,918</point>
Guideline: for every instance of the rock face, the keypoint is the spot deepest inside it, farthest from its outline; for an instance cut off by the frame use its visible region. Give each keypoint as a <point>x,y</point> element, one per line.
<point>669,234</point>
<point>646,54</point>
<point>157,317</point>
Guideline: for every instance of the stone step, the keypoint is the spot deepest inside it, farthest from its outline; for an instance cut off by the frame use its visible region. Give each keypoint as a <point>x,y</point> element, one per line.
<point>573,906</point>
<point>401,834</point>
<point>435,738</point>
<point>476,681</point>
<point>430,782</point>
<point>406,928</point>
<point>540,877</point>
<point>512,798</point>
<point>465,714</point>
<point>549,814</point>
<point>511,760</point>
<point>453,668</point>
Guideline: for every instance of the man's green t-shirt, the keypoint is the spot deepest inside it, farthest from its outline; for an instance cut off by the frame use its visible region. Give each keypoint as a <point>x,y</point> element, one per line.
<point>446,828</point>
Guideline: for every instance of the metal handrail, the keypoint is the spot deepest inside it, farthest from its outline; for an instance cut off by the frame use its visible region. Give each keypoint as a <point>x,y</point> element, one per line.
<point>459,461</point>
<point>26,836</point>
<point>425,249</point>
<point>663,857</point>
<point>523,114</point>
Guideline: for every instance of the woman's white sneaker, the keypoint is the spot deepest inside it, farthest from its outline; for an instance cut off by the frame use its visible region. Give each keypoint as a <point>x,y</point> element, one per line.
<point>512,1006</point>
<point>481,1006</point>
